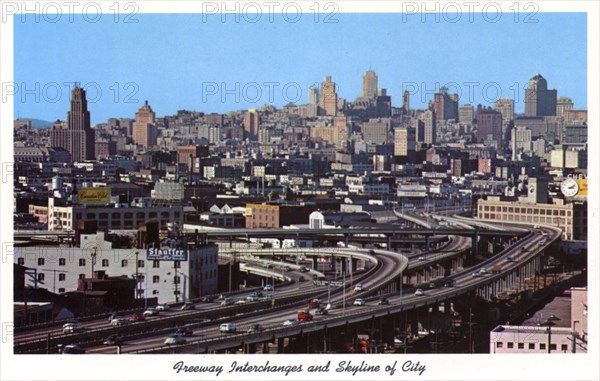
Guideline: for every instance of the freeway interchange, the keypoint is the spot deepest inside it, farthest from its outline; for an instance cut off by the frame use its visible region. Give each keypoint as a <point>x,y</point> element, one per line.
<point>384,273</point>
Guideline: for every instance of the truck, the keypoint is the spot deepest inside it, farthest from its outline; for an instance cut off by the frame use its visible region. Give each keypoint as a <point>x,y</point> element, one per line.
<point>304,315</point>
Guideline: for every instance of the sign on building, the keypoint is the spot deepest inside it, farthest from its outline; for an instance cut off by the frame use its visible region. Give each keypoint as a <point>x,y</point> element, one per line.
<point>153,254</point>
<point>93,195</point>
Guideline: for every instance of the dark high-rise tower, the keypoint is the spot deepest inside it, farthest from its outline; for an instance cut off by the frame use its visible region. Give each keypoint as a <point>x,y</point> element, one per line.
<point>539,101</point>
<point>78,137</point>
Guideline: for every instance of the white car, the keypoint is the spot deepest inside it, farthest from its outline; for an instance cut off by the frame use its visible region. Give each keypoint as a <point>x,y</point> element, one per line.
<point>72,327</point>
<point>291,322</point>
<point>175,339</point>
<point>163,307</point>
<point>359,287</point>
<point>483,270</point>
<point>151,312</point>
<point>421,259</point>
<point>419,292</point>
<point>227,327</point>
<point>227,302</point>
<point>359,302</point>
<point>118,321</point>
<point>331,306</point>
<point>268,288</point>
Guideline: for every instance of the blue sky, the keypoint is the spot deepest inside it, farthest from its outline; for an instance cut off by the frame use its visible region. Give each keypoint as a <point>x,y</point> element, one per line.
<point>179,61</point>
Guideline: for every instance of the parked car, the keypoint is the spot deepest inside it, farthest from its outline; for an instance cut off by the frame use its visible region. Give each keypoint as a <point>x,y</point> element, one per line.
<point>137,317</point>
<point>383,301</point>
<point>320,311</point>
<point>268,287</point>
<point>419,292</point>
<point>175,339</point>
<point>188,306</point>
<point>72,327</point>
<point>186,330</point>
<point>291,322</point>
<point>227,327</point>
<point>255,328</point>
<point>151,312</point>
<point>118,321</point>
<point>72,349</point>
<point>113,340</point>
<point>359,302</point>
<point>163,307</point>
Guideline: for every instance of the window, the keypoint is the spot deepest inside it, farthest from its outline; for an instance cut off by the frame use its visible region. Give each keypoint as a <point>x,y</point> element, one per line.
<point>552,347</point>
<point>177,279</point>
<point>521,346</point>
<point>141,263</point>
<point>177,264</point>
<point>155,264</point>
<point>154,292</point>
<point>41,277</point>
<point>21,261</point>
<point>61,277</point>
<point>62,262</point>
<point>61,290</point>
<point>105,263</point>
<point>124,263</point>
<point>41,261</point>
<point>81,276</point>
<point>564,347</point>
<point>499,344</point>
<point>542,347</point>
<point>510,345</point>
<point>531,345</point>
<point>155,279</point>
<point>81,262</point>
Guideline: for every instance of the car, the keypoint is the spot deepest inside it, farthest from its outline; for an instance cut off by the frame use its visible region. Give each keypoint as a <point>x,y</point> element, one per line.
<point>523,248</point>
<point>175,339</point>
<point>227,302</point>
<point>119,321</point>
<point>252,298</point>
<point>112,316</point>
<point>267,265</point>
<point>186,330</point>
<point>163,307</point>
<point>150,312</point>
<point>255,328</point>
<point>320,311</point>
<point>304,315</point>
<point>314,303</point>
<point>475,275</point>
<point>331,306</point>
<point>72,349</point>
<point>227,327</point>
<point>188,306</point>
<point>137,317</point>
<point>421,259</point>
<point>359,287</point>
<point>241,301</point>
<point>383,301</point>
<point>207,299</point>
<point>286,268</point>
<point>113,340</point>
<point>268,287</point>
<point>509,259</point>
<point>432,285</point>
<point>483,270</point>
<point>359,302</point>
<point>371,252</point>
<point>419,292</point>
<point>72,327</point>
<point>303,269</point>
<point>449,283</point>
<point>257,293</point>
<point>291,322</point>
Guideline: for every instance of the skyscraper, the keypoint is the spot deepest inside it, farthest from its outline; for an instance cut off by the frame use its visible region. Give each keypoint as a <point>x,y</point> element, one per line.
<point>489,125</point>
<point>506,107</point>
<point>539,101</point>
<point>466,114</point>
<point>313,95</point>
<point>406,101</point>
<point>328,99</point>
<point>563,104</point>
<point>445,106</point>
<point>251,124</point>
<point>144,127</point>
<point>77,137</point>
<point>370,85</point>
<point>426,134</point>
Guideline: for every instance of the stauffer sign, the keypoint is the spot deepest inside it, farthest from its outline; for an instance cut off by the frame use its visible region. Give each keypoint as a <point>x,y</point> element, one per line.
<point>93,195</point>
<point>166,254</point>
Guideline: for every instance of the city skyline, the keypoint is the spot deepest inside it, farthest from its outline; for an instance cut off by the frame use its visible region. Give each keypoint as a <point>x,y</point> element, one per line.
<point>262,60</point>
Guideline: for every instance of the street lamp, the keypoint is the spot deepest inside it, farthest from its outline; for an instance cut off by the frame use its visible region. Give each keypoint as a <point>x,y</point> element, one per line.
<point>549,322</point>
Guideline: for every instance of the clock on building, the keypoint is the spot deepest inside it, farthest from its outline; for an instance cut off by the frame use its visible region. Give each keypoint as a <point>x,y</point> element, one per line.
<point>569,187</point>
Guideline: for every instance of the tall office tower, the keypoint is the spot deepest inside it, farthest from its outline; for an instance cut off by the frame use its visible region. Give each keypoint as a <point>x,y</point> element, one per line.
<point>563,104</point>
<point>251,124</point>
<point>406,101</point>
<point>144,127</point>
<point>370,85</point>
<point>78,137</point>
<point>313,95</point>
<point>328,99</point>
<point>489,125</point>
<point>404,141</point>
<point>466,114</point>
<point>506,107</point>
<point>376,131</point>
<point>539,101</point>
<point>520,140</point>
<point>428,130</point>
<point>445,105</point>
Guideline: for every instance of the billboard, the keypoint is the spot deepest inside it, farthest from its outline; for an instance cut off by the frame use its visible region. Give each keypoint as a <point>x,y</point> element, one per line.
<point>582,183</point>
<point>153,254</point>
<point>93,195</point>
